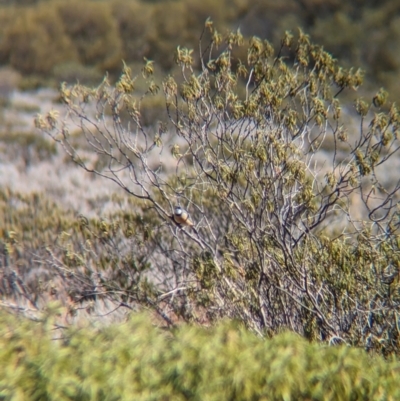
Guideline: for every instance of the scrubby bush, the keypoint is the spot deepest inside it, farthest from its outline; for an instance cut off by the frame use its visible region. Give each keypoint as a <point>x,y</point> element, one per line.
<point>135,360</point>
<point>93,31</point>
<point>35,42</point>
<point>362,34</point>
<point>286,236</point>
<point>73,72</point>
<point>49,252</point>
<point>134,20</point>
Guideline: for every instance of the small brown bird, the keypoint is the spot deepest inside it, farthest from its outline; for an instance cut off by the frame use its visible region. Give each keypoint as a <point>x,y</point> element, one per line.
<point>181,217</point>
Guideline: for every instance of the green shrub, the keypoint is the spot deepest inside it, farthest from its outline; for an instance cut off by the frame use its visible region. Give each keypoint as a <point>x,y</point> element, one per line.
<point>94,32</point>
<point>35,42</point>
<point>169,23</point>
<point>135,360</point>
<point>361,34</point>
<point>73,72</point>
<point>48,252</point>
<point>134,20</point>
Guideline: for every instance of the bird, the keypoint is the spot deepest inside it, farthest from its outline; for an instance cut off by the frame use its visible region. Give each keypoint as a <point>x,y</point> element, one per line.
<point>181,217</point>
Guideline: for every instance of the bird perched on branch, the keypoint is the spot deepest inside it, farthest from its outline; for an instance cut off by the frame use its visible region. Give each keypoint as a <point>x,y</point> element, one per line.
<point>181,217</point>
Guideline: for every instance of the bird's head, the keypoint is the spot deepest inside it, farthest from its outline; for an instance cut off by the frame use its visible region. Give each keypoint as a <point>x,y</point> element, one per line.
<point>177,211</point>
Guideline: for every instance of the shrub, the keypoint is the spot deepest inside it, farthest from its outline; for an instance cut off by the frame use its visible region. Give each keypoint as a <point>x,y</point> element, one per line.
<point>104,32</point>
<point>93,31</point>
<point>113,250</point>
<point>35,42</point>
<point>286,235</point>
<point>73,72</point>
<point>134,25</point>
<point>135,360</point>
<point>169,23</point>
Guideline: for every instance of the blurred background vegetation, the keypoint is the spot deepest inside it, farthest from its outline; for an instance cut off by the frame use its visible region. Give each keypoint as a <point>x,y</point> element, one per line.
<point>48,41</point>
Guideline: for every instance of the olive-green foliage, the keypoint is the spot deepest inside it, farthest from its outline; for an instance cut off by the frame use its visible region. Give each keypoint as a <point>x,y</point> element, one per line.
<point>72,72</point>
<point>134,21</point>
<point>135,360</point>
<point>93,31</point>
<point>29,217</point>
<point>34,41</point>
<point>29,223</point>
<point>47,252</point>
<point>100,33</point>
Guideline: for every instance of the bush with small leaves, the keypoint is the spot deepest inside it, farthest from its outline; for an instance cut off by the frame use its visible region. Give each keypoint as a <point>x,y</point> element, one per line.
<point>35,41</point>
<point>359,33</point>
<point>42,360</point>
<point>94,32</point>
<point>50,253</point>
<point>134,27</point>
<point>286,235</point>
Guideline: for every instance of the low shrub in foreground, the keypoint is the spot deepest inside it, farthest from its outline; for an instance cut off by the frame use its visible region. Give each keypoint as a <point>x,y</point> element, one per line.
<point>135,360</point>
